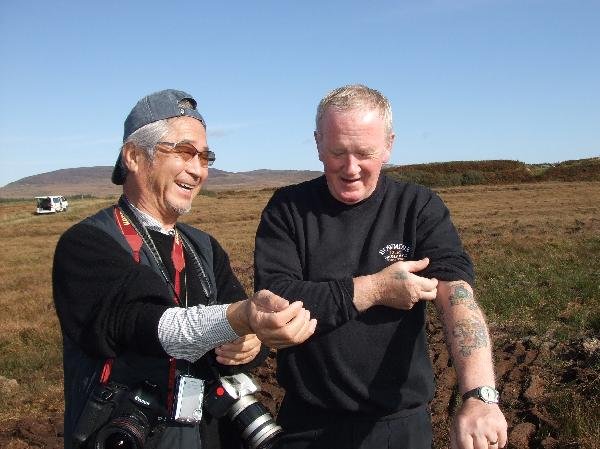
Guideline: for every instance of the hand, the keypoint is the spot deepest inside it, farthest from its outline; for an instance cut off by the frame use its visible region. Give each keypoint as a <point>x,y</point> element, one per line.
<point>400,288</point>
<point>276,322</point>
<point>239,351</point>
<point>477,425</point>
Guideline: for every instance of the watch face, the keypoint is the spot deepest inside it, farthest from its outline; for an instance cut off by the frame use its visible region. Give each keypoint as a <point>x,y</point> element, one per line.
<point>488,394</point>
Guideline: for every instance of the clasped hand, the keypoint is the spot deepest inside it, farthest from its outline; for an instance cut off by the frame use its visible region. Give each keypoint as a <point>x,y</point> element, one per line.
<point>239,351</point>
<point>277,322</point>
<point>400,288</point>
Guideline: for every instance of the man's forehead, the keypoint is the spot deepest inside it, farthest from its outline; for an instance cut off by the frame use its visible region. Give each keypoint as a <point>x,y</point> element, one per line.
<point>359,115</point>
<point>353,120</point>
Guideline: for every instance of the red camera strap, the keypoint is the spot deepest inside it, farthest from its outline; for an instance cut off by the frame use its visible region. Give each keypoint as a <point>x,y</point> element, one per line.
<point>129,232</point>
<point>178,264</point>
<point>106,369</point>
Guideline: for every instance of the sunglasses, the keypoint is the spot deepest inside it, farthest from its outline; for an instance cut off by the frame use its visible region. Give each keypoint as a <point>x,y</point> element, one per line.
<point>187,151</point>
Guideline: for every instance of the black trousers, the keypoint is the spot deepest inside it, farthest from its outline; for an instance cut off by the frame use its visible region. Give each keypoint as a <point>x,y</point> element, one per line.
<point>308,428</point>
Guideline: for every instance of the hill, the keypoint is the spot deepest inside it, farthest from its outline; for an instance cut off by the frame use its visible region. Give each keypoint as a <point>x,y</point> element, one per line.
<point>446,174</point>
<point>95,181</point>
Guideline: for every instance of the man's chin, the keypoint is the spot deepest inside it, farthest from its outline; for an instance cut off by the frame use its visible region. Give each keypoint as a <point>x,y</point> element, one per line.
<point>181,209</point>
<point>350,197</point>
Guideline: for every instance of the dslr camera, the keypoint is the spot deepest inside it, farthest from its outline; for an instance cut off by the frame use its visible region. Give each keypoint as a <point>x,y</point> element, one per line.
<point>115,417</point>
<point>233,396</point>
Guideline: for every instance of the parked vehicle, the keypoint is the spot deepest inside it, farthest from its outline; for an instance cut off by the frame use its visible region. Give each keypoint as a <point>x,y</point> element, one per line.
<point>51,204</point>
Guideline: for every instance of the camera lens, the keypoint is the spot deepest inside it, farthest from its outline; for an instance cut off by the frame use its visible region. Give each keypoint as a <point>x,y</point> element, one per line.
<point>118,441</point>
<point>122,433</point>
<point>256,424</point>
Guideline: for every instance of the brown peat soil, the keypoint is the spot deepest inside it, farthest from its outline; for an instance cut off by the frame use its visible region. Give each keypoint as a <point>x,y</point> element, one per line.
<point>536,248</point>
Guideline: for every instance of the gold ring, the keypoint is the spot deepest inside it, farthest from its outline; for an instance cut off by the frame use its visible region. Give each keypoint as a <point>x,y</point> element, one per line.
<point>493,443</point>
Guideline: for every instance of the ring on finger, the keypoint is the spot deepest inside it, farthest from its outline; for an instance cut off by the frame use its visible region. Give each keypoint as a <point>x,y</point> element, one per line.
<point>493,443</point>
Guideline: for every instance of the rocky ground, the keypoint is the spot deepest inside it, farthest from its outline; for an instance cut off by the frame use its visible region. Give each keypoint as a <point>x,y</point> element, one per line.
<point>525,380</point>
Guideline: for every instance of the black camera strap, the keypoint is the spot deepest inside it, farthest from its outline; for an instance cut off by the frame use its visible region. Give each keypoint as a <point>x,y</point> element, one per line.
<point>198,269</point>
<point>142,232</point>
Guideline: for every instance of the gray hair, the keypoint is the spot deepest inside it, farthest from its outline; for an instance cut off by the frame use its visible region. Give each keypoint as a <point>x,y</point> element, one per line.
<point>148,136</point>
<point>356,96</point>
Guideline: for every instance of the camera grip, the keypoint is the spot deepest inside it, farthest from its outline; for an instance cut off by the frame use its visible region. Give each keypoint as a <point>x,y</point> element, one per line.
<point>96,413</point>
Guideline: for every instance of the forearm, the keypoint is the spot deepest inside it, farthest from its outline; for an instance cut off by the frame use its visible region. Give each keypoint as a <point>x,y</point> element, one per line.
<point>367,292</point>
<point>330,302</point>
<point>280,266</point>
<point>466,335</point>
<point>189,333</point>
<point>238,318</point>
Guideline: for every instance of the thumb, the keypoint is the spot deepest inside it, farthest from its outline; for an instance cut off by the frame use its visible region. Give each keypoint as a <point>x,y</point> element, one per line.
<point>417,265</point>
<point>267,300</point>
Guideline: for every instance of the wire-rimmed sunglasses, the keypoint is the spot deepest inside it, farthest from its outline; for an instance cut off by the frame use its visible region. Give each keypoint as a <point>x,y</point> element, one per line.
<point>186,151</point>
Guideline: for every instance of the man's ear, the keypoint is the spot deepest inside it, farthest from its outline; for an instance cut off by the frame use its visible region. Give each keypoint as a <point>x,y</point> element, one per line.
<point>388,151</point>
<point>317,138</point>
<point>132,157</point>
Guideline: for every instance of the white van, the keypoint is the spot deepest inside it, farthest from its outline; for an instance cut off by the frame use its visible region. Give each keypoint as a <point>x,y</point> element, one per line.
<point>51,204</point>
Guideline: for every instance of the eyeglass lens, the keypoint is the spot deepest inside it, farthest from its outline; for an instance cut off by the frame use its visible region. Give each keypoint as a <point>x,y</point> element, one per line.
<point>187,151</point>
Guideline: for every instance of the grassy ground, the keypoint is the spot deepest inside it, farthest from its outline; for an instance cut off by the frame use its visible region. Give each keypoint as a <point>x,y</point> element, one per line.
<point>536,249</point>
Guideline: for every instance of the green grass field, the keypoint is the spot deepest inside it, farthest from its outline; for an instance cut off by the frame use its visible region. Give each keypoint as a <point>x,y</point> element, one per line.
<point>536,249</point>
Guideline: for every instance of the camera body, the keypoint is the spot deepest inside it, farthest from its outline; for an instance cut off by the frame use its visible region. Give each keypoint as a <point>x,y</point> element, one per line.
<point>116,417</point>
<point>234,396</point>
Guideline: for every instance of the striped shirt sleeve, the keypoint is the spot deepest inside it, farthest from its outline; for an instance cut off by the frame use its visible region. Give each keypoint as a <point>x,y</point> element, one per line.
<point>189,333</point>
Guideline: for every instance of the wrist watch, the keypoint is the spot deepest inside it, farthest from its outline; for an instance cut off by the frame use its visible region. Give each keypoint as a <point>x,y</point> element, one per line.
<point>489,395</point>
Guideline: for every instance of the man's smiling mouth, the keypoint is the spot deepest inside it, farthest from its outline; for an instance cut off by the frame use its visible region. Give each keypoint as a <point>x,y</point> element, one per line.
<point>185,186</point>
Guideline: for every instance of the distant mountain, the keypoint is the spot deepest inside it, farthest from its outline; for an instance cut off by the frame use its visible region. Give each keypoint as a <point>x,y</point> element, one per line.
<point>96,181</point>
<point>460,173</point>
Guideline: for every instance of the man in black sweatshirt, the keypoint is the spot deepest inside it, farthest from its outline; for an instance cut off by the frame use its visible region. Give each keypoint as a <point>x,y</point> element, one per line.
<point>364,253</point>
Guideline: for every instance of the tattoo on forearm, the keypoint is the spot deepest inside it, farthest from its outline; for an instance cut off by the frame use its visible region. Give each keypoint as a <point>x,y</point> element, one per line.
<point>401,275</point>
<point>460,295</point>
<point>470,334</point>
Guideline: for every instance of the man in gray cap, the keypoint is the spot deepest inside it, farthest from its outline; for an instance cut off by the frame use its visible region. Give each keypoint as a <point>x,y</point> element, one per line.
<point>150,309</point>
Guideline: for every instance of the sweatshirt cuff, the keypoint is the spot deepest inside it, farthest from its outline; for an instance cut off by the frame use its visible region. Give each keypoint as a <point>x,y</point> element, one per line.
<point>347,291</point>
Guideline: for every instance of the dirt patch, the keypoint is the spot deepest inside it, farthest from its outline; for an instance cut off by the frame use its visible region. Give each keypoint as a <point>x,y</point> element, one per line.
<point>524,382</point>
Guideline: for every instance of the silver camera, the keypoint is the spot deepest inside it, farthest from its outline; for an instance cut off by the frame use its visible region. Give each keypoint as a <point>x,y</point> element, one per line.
<point>189,393</point>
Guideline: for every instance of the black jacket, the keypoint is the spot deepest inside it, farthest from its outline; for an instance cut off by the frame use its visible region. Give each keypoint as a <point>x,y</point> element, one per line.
<point>109,306</point>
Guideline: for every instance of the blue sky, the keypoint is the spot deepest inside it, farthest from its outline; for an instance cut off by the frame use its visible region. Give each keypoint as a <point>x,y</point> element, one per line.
<point>468,79</point>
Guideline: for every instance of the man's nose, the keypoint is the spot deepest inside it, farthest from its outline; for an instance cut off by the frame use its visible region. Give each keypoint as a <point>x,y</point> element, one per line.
<point>195,166</point>
<point>351,165</point>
